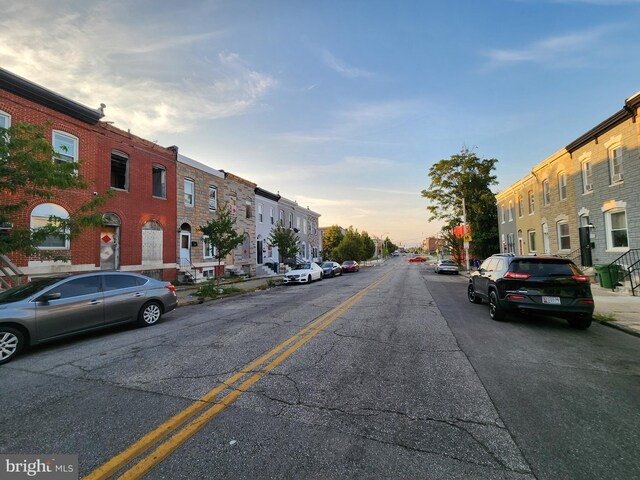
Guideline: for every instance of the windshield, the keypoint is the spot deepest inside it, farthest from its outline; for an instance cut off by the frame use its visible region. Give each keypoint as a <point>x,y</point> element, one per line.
<point>302,266</point>
<point>545,267</point>
<point>25,291</point>
<point>448,262</point>
<point>327,265</point>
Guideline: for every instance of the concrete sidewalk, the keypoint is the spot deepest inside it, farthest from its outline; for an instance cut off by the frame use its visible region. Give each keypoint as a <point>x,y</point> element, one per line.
<point>187,293</point>
<point>621,307</point>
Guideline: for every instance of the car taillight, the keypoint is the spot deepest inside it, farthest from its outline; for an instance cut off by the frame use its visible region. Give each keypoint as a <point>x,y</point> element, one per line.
<point>517,275</point>
<point>587,302</point>
<point>581,278</point>
<point>171,288</point>
<point>516,297</point>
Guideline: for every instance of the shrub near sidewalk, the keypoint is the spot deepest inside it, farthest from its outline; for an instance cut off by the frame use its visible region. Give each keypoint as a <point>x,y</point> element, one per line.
<point>211,290</point>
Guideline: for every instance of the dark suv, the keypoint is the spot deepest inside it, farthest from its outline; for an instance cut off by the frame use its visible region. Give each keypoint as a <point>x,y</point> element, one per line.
<point>531,284</point>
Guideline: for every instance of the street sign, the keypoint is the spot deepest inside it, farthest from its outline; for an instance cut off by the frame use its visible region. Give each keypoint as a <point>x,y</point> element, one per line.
<point>466,245</point>
<point>467,237</point>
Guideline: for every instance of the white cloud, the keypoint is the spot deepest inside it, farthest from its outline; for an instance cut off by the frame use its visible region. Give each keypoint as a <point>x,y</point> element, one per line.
<point>342,68</point>
<point>93,56</point>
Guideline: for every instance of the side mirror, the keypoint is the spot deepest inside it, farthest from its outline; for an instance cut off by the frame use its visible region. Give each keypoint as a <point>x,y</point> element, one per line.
<point>49,296</point>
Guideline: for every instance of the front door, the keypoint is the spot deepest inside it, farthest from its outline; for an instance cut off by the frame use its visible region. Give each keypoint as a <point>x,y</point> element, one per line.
<point>259,251</point>
<point>545,239</point>
<point>185,248</point>
<point>109,248</point>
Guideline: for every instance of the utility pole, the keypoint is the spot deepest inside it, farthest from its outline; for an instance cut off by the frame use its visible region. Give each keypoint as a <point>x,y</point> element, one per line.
<point>464,224</point>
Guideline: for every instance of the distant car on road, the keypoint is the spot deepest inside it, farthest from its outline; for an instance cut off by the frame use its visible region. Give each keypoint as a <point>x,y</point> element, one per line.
<point>548,285</point>
<point>417,259</point>
<point>446,266</point>
<point>350,266</point>
<point>304,273</point>
<point>331,269</point>
<point>58,306</point>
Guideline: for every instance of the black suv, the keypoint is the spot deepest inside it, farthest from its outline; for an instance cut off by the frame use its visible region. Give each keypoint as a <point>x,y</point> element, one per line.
<point>531,284</point>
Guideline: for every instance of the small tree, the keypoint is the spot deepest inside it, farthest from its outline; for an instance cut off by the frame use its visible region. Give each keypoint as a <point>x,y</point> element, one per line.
<point>351,247</point>
<point>221,234</point>
<point>285,240</point>
<point>28,169</point>
<point>330,240</point>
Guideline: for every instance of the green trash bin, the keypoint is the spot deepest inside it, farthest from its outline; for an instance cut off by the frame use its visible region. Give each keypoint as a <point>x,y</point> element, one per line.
<point>608,275</point>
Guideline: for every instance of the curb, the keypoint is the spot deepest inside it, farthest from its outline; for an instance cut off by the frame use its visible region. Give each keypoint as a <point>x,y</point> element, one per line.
<point>623,328</point>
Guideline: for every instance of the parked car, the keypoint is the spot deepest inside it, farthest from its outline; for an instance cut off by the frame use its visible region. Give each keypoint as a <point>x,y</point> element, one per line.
<point>446,266</point>
<point>331,269</point>
<point>350,266</point>
<point>417,259</point>
<point>531,284</point>
<point>304,273</point>
<point>53,307</point>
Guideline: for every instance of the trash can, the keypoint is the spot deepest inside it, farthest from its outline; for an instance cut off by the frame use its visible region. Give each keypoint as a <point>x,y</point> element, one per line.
<point>608,275</point>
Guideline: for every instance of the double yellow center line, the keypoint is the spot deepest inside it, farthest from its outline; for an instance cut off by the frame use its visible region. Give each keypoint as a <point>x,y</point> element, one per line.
<point>207,404</point>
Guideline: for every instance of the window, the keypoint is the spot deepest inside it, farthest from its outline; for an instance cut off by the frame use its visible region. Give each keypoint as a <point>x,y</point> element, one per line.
<point>290,220</point>
<point>260,212</point>
<point>511,243</point>
<point>298,223</point>
<point>304,226</point>
<point>272,215</point>
<point>119,170</point>
<point>77,287</point>
<point>247,210</point>
<point>189,192</point>
<point>5,120</point>
<point>520,206</point>
<point>546,194</point>
<point>282,218</point>
<point>119,281</point>
<point>40,216</point>
<point>587,177</point>
<point>532,208</point>
<point>616,225</point>
<point>564,240</point>
<point>159,181</point>
<point>532,241</point>
<point>213,198</point>
<point>562,185</point>
<point>65,147</point>
<point>615,164</point>
<point>503,214</point>
<point>510,211</point>
<point>208,250</point>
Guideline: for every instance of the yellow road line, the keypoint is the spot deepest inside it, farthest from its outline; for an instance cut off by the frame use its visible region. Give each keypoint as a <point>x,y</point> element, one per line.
<point>145,443</point>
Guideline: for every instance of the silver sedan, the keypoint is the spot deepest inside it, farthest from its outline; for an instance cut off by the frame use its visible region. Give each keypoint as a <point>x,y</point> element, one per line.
<point>54,307</point>
<point>447,266</point>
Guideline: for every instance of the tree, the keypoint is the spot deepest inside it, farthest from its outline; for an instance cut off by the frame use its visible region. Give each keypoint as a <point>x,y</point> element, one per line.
<point>352,247</point>
<point>330,240</point>
<point>221,235</point>
<point>465,176</point>
<point>28,169</point>
<point>368,246</point>
<point>285,240</point>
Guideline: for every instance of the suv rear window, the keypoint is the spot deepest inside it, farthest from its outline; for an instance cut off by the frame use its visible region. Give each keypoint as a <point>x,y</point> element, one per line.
<point>547,268</point>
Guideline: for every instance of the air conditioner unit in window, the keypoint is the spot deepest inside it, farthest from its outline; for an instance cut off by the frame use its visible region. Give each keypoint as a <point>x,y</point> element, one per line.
<point>588,187</point>
<point>617,178</point>
<point>6,225</point>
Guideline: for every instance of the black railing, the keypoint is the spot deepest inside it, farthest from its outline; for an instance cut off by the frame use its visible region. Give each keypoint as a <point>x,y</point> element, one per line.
<point>11,274</point>
<point>186,267</point>
<point>626,267</point>
<point>575,256</point>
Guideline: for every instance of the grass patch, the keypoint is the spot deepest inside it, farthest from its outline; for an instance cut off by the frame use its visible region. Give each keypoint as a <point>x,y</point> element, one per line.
<point>610,317</point>
<point>211,290</point>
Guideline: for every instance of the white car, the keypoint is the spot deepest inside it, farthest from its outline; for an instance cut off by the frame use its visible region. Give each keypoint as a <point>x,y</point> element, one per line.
<point>446,266</point>
<point>304,273</point>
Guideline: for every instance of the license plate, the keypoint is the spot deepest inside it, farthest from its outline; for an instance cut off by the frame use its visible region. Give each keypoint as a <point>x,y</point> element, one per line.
<point>551,300</point>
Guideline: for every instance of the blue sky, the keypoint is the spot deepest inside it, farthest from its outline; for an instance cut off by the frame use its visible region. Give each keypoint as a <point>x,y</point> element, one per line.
<point>340,105</point>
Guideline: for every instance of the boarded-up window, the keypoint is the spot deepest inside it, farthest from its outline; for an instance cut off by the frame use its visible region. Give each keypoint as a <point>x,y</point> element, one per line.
<point>152,234</point>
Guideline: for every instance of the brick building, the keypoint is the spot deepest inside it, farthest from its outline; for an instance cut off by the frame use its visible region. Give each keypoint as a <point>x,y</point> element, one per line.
<point>140,220</point>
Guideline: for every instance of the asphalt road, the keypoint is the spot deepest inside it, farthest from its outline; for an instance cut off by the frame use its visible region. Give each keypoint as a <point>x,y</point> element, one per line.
<point>385,373</point>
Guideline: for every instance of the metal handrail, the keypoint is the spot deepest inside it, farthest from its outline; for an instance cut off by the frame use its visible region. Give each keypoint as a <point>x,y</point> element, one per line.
<point>187,262</point>
<point>10,271</point>
<point>628,267</point>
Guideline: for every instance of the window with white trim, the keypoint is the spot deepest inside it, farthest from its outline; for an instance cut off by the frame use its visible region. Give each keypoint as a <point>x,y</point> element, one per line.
<point>520,206</point>
<point>282,217</point>
<point>260,215</point>
<point>616,229</point>
<point>298,223</point>
<point>213,198</point>
<point>208,250</point>
<point>564,239</point>
<point>587,176</point>
<point>5,119</point>
<point>562,185</point>
<point>40,217</point>
<point>546,192</point>
<point>304,226</point>
<point>272,215</point>
<point>503,214</point>
<point>290,220</point>
<point>510,210</point>
<point>65,147</point>
<point>532,241</point>
<point>615,164</point>
<point>189,192</point>
<point>532,208</point>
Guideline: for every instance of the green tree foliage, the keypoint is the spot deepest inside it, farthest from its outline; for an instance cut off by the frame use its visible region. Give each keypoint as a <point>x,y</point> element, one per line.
<point>368,246</point>
<point>285,240</point>
<point>221,233</point>
<point>27,171</point>
<point>330,240</point>
<point>464,175</point>
<point>354,246</point>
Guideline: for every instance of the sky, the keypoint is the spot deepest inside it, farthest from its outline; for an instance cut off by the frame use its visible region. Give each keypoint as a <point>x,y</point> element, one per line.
<point>344,105</point>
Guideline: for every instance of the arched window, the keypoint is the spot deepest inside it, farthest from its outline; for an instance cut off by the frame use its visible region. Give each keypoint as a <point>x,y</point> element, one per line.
<point>40,217</point>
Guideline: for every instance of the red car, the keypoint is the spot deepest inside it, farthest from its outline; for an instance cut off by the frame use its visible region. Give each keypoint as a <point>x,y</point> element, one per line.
<point>417,259</point>
<point>350,266</point>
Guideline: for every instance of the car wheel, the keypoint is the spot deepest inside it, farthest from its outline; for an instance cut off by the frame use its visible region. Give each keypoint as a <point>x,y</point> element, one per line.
<point>309,279</point>
<point>580,321</point>
<point>471,295</point>
<point>150,314</point>
<point>11,343</point>
<point>495,310</point>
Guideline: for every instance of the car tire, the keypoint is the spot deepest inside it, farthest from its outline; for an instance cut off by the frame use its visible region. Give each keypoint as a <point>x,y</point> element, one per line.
<point>309,279</point>
<point>150,314</point>
<point>581,322</point>
<point>11,343</point>
<point>471,295</point>
<point>496,312</point>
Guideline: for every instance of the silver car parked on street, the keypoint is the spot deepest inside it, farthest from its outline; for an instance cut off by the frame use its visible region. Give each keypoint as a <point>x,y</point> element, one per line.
<point>54,307</point>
